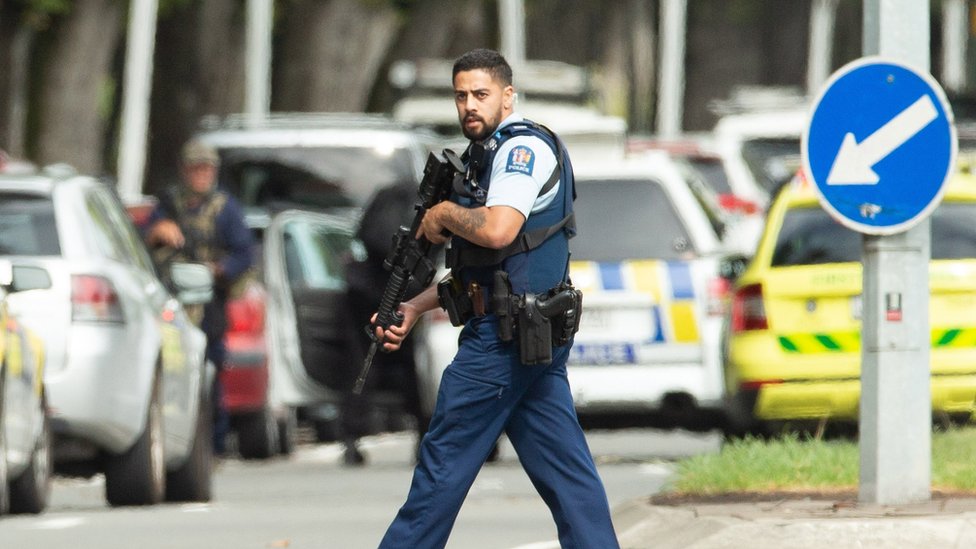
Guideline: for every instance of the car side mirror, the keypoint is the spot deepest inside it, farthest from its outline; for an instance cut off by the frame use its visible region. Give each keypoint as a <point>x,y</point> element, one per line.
<point>20,278</point>
<point>193,282</point>
<point>6,274</point>
<point>30,277</point>
<point>731,267</point>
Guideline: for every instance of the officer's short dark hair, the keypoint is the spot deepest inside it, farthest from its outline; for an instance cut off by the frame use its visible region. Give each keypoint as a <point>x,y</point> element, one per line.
<point>487,60</point>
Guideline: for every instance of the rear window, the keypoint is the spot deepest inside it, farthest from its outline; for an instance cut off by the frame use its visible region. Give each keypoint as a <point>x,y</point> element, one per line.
<point>809,236</point>
<point>312,178</point>
<point>772,161</point>
<point>27,225</point>
<point>628,219</point>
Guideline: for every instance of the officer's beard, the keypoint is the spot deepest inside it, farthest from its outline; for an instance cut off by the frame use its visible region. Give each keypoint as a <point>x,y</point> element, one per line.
<point>486,129</point>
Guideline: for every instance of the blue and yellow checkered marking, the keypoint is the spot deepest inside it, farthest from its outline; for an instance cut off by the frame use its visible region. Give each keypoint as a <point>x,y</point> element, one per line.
<point>668,283</point>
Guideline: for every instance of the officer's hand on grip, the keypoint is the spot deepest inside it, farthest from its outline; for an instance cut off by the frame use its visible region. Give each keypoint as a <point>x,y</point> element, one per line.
<point>431,227</point>
<point>394,335</point>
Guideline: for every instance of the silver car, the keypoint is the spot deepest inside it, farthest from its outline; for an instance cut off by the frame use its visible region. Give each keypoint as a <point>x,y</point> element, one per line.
<point>25,457</point>
<point>126,378</point>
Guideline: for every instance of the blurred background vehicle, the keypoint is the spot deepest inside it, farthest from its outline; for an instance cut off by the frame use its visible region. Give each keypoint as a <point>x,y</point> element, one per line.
<point>318,162</point>
<point>792,346</point>
<point>25,432</point>
<point>126,380</point>
<point>551,93</point>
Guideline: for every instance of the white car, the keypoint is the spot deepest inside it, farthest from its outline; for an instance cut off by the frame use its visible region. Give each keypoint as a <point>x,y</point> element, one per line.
<point>647,260</point>
<point>126,379</point>
<point>25,435</point>
<point>760,151</point>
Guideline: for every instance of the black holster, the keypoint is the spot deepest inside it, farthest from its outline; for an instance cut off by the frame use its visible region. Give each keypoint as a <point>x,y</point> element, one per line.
<point>542,321</point>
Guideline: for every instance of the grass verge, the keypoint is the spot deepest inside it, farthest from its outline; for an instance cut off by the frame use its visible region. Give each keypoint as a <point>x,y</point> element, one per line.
<point>797,463</point>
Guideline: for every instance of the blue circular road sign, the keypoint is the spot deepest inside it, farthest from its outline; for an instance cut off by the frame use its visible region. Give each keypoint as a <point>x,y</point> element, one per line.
<point>880,145</point>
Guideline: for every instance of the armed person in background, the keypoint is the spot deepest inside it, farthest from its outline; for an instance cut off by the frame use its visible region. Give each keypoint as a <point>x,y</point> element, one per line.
<point>511,223</point>
<point>194,221</point>
<point>387,210</point>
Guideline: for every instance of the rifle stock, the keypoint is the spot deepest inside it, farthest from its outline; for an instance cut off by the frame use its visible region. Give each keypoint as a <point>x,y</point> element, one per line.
<point>409,259</point>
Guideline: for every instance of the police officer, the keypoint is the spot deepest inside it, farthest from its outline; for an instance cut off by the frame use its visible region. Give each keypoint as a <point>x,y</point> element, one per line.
<point>513,215</point>
<point>194,221</point>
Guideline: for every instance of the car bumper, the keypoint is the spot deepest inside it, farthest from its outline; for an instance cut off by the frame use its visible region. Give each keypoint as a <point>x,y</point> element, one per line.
<point>839,399</point>
<point>641,388</point>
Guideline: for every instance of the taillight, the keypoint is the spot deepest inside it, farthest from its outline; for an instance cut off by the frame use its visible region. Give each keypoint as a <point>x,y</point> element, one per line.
<point>718,295</point>
<point>94,299</point>
<point>246,313</point>
<point>748,312</point>
<point>735,204</point>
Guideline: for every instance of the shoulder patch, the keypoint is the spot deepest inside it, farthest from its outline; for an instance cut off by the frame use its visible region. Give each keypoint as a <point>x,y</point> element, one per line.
<point>520,160</point>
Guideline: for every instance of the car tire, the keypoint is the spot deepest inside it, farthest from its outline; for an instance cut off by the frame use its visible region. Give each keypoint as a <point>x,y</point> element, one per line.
<point>288,432</point>
<point>138,476</point>
<point>4,491</point>
<point>30,492</point>
<point>257,434</point>
<point>193,481</point>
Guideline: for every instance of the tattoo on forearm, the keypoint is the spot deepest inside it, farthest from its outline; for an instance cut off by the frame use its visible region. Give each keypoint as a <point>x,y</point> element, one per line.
<point>468,221</point>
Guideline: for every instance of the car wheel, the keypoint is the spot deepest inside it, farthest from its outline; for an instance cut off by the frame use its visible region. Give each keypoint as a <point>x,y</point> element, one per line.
<point>288,432</point>
<point>29,493</point>
<point>4,492</point>
<point>138,477</point>
<point>257,435</point>
<point>193,481</point>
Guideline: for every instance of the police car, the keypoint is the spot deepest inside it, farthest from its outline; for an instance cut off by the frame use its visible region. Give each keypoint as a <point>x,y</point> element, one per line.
<point>793,346</point>
<point>647,260</point>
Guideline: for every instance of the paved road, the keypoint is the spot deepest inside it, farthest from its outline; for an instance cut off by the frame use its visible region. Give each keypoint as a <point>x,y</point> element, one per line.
<point>311,501</point>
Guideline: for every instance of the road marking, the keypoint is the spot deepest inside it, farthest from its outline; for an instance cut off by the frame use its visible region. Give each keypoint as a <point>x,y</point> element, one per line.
<point>57,523</point>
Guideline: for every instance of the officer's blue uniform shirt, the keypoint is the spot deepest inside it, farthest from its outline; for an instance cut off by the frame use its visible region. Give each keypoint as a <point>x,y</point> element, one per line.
<point>519,160</point>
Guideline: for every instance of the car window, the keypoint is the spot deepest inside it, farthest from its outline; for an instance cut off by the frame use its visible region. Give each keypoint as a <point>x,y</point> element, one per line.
<point>772,161</point>
<point>315,255</point>
<point>311,177</point>
<point>125,236</point>
<point>27,225</point>
<point>713,172</point>
<point>106,238</point>
<point>628,219</point>
<point>809,236</point>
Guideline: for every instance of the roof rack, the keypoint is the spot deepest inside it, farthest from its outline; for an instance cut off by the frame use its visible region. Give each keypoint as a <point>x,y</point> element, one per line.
<point>292,120</point>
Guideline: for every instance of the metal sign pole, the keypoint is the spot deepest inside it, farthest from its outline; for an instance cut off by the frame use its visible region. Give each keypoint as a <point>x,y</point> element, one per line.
<point>896,411</point>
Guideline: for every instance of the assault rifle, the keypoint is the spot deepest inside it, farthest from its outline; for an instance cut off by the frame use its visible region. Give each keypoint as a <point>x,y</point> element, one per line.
<point>409,259</point>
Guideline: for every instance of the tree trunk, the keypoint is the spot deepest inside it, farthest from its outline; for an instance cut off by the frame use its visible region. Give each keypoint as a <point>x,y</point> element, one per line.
<point>434,30</point>
<point>331,54</point>
<point>77,73</point>
<point>199,71</point>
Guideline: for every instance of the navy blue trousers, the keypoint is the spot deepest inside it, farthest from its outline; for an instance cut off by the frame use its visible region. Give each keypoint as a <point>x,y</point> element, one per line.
<point>484,392</point>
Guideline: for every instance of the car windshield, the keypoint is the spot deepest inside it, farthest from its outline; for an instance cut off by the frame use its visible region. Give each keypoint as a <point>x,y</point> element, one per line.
<point>628,219</point>
<point>811,237</point>
<point>27,225</point>
<point>772,161</point>
<point>311,177</point>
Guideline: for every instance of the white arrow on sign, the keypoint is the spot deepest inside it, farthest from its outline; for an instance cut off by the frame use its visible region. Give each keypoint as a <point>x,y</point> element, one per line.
<point>853,163</point>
